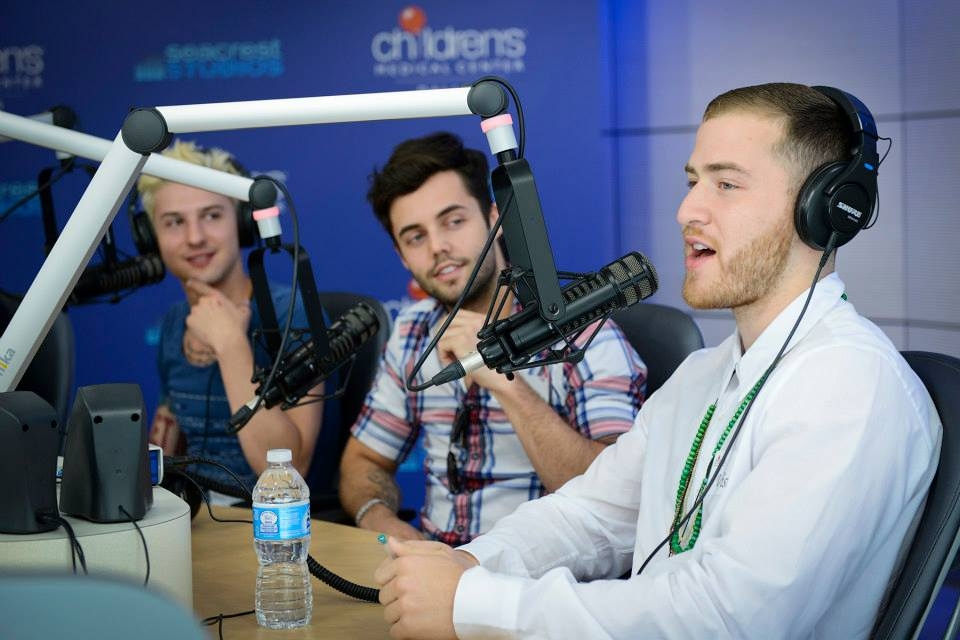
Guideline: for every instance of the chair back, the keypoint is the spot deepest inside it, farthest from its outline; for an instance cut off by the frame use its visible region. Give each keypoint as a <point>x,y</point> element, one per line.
<point>364,370</point>
<point>326,457</point>
<point>41,606</point>
<point>663,336</point>
<point>935,543</point>
<point>50,374</point>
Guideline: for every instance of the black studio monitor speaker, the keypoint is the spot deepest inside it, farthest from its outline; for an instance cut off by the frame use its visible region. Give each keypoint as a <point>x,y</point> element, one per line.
<point>105,465</point>
<point>29,445</point>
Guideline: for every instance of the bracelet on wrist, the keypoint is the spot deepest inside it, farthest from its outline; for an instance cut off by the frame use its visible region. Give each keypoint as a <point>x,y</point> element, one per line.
<point>369,504</point>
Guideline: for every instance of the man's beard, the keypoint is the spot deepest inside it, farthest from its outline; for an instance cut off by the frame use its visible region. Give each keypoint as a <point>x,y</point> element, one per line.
<point>481,290</point>
<point>750,274</point>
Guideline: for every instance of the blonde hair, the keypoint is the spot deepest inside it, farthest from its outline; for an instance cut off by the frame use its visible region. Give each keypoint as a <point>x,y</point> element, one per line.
<point>191,152</point>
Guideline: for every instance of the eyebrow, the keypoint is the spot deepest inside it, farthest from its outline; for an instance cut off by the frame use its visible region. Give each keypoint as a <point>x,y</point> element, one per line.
<point>448,209</point>
<point>716,167</point>
<point>176,212</point>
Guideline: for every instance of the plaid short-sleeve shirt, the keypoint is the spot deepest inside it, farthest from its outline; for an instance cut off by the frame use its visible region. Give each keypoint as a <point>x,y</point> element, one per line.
<point>598,396</point>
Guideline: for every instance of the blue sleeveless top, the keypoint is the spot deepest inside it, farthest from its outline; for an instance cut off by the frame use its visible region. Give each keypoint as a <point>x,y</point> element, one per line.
<point>196,396</point>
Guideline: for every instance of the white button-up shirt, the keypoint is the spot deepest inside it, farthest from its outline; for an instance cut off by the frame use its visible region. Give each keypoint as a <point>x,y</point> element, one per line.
<point>801,531</point>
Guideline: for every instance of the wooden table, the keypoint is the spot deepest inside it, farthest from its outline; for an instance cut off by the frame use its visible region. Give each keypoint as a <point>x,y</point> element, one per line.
<point>225,573</point>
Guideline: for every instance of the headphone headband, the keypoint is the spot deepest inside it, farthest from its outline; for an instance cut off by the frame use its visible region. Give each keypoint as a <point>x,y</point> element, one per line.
<point>141,227</point>
<point>839,197</point>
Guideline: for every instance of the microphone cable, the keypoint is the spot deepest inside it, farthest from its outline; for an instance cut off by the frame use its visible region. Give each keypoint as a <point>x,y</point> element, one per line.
<point>831,245</point>
<point>521,129</point>
<point>291,306</point>
<point>491,237</point>
<point>344,586</point>
<point>143,540</point>
<point>220,617</point>
<point>876,212</point>
<point>76,551</point>
<point>66,167</point>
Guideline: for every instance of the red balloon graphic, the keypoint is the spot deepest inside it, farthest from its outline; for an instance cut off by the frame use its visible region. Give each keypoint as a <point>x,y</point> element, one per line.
<point>412,19</point>
<point>415,291</point>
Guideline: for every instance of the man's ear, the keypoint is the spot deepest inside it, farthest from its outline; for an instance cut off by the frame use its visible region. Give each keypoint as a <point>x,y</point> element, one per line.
<point>492,219</point>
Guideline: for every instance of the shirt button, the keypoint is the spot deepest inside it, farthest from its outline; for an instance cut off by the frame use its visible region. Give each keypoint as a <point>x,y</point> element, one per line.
<point>474,456</point>
<point>459,528</point>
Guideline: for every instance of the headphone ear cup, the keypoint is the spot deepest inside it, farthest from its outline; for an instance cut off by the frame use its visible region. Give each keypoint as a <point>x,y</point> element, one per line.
<point>812,211</point>
<point>143,237</point>
<point>247,231</point>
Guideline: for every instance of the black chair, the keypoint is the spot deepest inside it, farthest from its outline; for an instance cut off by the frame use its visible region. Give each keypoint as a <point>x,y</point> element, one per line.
<point>50,374</point>
<point>935,544</point>
<point>325,505</point>
<point>663,336</point>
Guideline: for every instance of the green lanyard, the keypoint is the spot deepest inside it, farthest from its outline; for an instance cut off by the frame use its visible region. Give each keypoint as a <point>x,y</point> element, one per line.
<point>676,544</point>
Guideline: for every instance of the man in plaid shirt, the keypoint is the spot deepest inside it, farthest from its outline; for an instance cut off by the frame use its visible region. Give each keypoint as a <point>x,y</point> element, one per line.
<point>490,443</point>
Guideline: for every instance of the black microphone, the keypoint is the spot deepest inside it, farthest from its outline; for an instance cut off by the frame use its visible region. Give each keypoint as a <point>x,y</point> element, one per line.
<point>305,368</point>
<point>104,279</point>
<point>516,339</point>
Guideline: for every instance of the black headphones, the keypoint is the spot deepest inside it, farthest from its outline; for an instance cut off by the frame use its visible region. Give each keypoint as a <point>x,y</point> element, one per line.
<point>145,240</point>
<point>840,196</point>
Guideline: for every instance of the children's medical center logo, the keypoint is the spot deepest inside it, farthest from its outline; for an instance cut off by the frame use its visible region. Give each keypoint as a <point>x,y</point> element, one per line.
<point>416,51</point>
<point>212,61</point>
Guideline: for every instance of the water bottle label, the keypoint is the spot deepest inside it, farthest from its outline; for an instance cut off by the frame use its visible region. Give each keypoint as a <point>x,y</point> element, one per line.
<point>281,521</point>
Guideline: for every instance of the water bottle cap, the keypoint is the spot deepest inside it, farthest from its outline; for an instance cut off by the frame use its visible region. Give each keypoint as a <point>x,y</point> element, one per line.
<point>279,455</point>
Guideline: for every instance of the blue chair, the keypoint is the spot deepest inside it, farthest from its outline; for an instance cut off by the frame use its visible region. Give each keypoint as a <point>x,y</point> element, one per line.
<point>44,606</point>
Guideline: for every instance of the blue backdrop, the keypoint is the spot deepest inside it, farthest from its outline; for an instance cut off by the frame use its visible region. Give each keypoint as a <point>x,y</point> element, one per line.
<point>101,60</point>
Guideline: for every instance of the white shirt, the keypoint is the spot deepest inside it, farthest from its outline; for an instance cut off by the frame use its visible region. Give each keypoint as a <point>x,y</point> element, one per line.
<point>800,532</point>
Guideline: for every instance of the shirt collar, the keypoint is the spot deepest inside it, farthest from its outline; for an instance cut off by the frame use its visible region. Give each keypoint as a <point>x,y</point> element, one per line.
<point>750,366</point>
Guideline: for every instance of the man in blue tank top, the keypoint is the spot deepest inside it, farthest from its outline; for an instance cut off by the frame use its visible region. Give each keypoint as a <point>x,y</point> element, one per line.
<point>207,351</point>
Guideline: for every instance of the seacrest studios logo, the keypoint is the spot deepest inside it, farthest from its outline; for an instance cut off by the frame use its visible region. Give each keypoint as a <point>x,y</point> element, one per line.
<point>212,61</point>
<point>415,51</point>
<point>21,67</point>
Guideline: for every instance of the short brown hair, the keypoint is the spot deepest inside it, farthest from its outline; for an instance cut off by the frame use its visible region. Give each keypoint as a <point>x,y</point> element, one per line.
<point>415,161</point>
<point>816,131</point>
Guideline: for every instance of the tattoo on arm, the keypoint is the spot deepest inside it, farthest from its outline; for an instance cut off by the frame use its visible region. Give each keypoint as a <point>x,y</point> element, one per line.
<point>387,489</point>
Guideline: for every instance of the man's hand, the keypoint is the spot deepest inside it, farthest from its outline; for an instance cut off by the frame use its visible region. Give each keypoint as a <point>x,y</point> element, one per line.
<point>215,320</point>
<point>417,587</point>
<point>165,430</point>
<point>459,339</point>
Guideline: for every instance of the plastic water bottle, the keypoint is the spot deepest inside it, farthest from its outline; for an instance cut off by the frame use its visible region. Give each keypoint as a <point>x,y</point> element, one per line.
<point>281,537</point>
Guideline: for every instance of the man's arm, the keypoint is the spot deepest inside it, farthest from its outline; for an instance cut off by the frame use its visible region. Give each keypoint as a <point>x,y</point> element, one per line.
<point>223,325</point>
<point>582,525</point>
<point>165,431</point>
<point>805,523</point>
<point>367,482</point>
<point>556,450</point>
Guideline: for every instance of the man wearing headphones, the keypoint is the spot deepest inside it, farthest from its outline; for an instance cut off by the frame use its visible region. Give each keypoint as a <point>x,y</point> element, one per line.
<point>206,352</point>
<point>768,488</point>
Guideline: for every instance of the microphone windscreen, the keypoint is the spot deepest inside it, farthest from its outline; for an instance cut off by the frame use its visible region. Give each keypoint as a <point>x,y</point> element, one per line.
<point>636,274</point>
